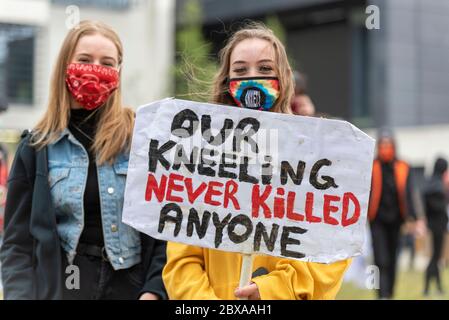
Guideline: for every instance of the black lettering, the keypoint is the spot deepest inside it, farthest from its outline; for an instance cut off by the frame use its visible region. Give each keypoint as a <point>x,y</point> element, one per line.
<point>181,157</point>
<point>194,220</point>
<point>261,232</point>
<point>221,136</point>
<point>219,226</point>
<point>155,154</point>
<point>222,173</point>
<point>286,240</point>
<point>204,167</point>
<point>164,217</point>
<point>243,173</point>
<point>286,169</point>
<point>267,171</point>
<point>314,173</point>
<point>240,135</point>
<point>243,220</point>
<point>177,128</point>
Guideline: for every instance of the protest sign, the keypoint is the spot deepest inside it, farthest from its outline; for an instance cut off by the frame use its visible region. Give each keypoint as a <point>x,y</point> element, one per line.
<point>240,180</point>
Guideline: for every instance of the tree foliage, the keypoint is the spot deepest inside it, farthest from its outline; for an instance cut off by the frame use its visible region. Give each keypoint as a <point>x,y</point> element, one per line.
<point>195,65</point>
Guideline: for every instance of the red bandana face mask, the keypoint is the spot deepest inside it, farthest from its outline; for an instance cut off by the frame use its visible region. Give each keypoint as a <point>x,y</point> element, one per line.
<point>91,84</point>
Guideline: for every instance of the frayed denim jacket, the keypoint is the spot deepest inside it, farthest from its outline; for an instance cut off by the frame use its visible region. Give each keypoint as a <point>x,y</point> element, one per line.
<point>68,163</point>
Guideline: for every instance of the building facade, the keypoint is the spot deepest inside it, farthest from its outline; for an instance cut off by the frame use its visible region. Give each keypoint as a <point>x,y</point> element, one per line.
<point>395,76</point>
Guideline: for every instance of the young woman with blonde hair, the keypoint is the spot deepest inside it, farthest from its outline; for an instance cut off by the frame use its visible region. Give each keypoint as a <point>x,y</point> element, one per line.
<point>255,59</point>
<point>64,238</point>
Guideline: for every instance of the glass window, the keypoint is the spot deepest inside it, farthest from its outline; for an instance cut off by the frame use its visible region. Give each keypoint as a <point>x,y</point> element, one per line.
<point>16,63</point>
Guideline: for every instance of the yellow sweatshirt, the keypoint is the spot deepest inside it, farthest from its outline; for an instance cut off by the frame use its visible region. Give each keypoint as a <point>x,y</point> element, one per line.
<point>194,273</point>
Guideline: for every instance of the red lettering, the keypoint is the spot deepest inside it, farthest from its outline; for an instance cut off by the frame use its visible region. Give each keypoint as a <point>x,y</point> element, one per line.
<point>152,186</point>
<point>309,209</point>
<point>279,207</point>
<point>231,189</point>
<point>328,209</point>
<point>172,186</point>
<point>194,194</point>
<point>259,201</point>
<point>213,192</point>
<point>290,204</point>
<point>344,216</point>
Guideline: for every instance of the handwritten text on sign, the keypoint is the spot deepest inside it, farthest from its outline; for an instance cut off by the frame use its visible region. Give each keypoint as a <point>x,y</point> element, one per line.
<point>247,181</point>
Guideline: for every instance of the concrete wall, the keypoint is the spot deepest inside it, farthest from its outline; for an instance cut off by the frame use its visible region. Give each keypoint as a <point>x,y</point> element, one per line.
<point>409,76</point>
<point>414,42</point>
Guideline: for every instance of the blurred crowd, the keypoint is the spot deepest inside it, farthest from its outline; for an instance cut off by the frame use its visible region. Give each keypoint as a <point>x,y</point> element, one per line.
<point>400,213</point>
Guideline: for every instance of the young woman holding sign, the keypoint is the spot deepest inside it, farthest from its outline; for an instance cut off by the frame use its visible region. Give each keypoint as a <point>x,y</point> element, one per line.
<point>254,58</point>
<point>64,238</point>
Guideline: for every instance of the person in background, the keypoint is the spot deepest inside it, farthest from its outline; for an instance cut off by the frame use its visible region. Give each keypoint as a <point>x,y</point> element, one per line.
<point>413,231</point>
<point>255,59</point>
<point>301,103</point>
<point>407,242</point>
<point>3,172</point>
<point>390,205</point>
<point>435,196</point>
<point>4,165</point>
<point>66,187</point>
<point>3,184</point>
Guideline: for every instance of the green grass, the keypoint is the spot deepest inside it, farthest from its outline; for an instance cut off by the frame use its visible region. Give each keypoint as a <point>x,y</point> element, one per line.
<point>409,286</point>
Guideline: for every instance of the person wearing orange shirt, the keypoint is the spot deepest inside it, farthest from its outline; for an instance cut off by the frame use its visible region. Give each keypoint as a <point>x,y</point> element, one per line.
<point>390,206</point>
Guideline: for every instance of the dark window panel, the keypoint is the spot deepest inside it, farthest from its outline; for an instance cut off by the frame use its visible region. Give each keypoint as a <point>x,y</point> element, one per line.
<point>17,63</point>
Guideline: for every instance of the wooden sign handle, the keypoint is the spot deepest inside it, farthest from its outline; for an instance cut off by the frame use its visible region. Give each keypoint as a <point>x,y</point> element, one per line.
<point>246,271</point>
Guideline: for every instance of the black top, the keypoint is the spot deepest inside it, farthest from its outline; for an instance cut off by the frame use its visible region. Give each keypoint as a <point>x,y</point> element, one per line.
<point>389,211</point>
<point>435,198</point>
<point>83,125</point>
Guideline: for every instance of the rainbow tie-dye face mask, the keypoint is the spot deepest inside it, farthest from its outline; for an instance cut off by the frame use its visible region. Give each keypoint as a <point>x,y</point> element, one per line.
<point>257,93</point>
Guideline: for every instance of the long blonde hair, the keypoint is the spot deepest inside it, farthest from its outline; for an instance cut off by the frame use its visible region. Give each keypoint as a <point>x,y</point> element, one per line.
<point>257,30</point>
<point>115,122</point>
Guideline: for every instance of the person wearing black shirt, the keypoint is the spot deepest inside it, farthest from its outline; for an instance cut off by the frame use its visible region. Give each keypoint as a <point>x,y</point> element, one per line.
<point>435,202</point>
<point>82,125</point>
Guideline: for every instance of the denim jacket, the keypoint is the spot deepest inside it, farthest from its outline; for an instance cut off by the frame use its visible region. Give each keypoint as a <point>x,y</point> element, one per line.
<point>68,164</point>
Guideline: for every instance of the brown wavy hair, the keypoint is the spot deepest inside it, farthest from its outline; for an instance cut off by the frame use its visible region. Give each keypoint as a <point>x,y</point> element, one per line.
<point>115,122</point>
<point>220,90</point>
